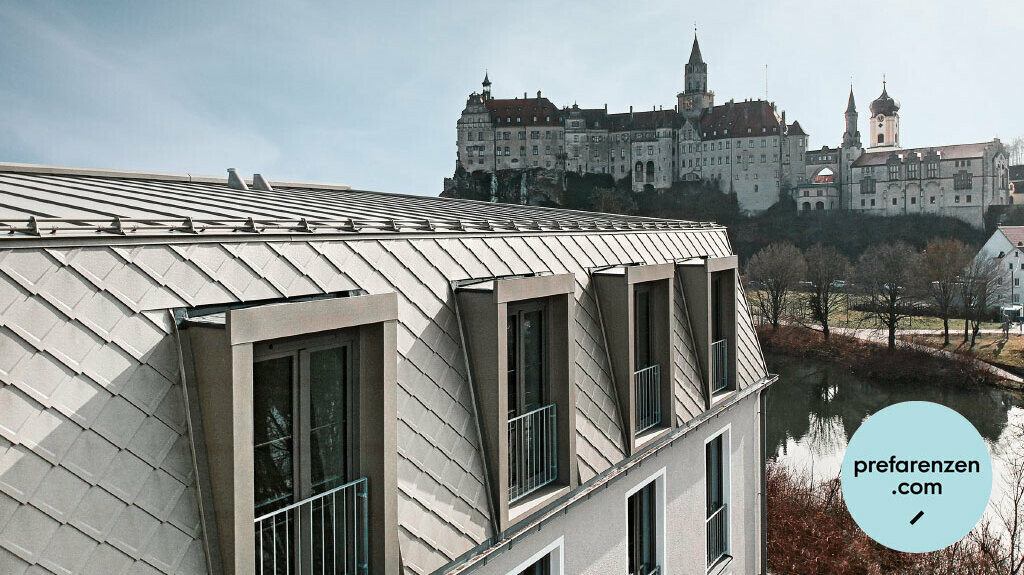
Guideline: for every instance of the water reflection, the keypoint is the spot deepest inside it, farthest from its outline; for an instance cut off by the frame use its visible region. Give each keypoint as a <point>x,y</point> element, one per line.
<point>816,407</point>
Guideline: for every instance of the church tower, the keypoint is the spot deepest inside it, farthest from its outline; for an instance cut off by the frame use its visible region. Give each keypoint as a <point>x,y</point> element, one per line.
<point>695,97</point>
<point>848,154</point>
<point>851,138</point>
<point>487,87</point>
<point>885,121</point>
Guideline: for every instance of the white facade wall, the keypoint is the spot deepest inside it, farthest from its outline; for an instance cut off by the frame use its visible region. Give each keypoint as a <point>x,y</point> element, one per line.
<point>587,550</point>
<point>1008,259</point>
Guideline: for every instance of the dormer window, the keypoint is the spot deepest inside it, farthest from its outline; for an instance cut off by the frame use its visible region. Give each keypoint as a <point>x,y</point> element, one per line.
<point>710,288</point>
<point>636,304</point>
<point>519,332</point>
<point>298,410</point>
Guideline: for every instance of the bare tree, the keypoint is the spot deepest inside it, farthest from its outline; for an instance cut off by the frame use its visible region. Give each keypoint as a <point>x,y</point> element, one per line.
<point>938,275</point>
<point>1015,151</point>
<point>826,267</point>
<point>776,269</point>
<point>884,273</point>
<point>977,292</point>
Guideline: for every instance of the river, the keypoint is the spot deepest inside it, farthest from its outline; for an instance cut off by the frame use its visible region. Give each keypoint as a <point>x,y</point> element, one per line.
<point>815,408</point>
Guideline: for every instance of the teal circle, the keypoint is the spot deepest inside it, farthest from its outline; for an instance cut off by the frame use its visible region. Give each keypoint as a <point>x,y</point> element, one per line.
<point>917,431</point>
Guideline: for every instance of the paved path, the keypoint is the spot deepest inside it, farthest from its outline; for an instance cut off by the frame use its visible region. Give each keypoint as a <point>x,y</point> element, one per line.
<point>882,336</point>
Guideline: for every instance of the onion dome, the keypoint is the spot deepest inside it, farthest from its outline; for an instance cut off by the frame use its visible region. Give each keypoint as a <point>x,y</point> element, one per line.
<point>884,104</point>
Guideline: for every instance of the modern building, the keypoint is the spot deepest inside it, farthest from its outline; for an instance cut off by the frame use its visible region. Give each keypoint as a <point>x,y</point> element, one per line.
<point>746,148</point>
<point>216,375</point>
<point>962,181</point>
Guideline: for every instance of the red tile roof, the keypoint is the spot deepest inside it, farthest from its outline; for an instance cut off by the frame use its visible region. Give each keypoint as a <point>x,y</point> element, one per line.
<point>1013,233</point>
<point>740,119</point>
<point>954,152</point>
<point>525,110</point>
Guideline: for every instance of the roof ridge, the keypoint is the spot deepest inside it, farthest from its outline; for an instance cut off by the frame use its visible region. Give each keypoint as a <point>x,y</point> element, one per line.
<point>19,168</point>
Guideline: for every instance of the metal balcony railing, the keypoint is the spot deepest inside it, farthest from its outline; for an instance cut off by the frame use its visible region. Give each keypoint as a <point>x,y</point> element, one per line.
<point>719,365</point>
<point>647,398</point>
<point>532,451</point>
<point>325,534</point>
<point>718,535</point>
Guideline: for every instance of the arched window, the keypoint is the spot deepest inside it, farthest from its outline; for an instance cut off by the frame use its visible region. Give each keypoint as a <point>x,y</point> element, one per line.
<point>639,172</point>
<point>650,171</point>
<point>807,206</point>
<point>819,206</point>
<point>881,138</point>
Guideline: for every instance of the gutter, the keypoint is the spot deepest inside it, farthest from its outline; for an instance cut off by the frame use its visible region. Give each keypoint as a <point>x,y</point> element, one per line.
<point>483,552</point>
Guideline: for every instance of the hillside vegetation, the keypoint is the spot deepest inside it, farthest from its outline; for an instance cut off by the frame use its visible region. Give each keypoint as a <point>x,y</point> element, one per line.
<point>850,232</point>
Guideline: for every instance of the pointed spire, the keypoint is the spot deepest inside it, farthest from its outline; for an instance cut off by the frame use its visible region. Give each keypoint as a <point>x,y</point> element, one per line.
<point>487,81</point>
<point>695,57</point>
<point>851,106</point>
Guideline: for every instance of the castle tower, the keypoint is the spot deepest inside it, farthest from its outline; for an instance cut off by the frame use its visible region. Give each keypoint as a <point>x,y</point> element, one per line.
<point>851,149</point>
<point>885,121</point>
<point>851,138</point>
<point>695,97</point>
<point>487,87</point>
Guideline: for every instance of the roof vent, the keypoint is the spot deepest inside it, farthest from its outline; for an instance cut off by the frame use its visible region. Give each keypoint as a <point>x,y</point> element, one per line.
<point>234,181</point>
<point>261,183</point>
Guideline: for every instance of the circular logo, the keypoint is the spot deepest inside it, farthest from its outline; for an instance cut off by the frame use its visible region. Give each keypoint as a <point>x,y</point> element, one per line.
<point>917,476</point>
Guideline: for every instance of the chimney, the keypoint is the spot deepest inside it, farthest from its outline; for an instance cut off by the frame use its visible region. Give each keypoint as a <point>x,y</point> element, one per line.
<point>606,107</point>
<point>538,94</point>
<point>524,95</point>
<point>234,181</point>
<point>261,183</point>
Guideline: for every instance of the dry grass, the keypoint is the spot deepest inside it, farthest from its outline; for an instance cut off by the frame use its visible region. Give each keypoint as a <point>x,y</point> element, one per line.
<point>873,361</point>
<point>990,347</point>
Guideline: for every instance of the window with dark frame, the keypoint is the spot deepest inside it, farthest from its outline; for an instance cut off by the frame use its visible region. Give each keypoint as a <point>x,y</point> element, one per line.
<point>541,567</point>
<point>716,490</point>
<point>304,448</point>
<point>643,355</point>
<point>642,529</point>
<point>302,397</point>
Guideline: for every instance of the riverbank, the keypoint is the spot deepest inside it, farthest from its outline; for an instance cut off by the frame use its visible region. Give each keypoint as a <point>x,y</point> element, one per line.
<point>811,532</point>
<point>871,360</point>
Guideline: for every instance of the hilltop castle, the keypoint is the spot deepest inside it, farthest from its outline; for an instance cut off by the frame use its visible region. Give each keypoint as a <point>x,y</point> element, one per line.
<point>746,148</point>
<point>743,147</point>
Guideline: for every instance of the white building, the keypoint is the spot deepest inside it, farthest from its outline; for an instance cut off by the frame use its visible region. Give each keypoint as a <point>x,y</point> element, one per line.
<point>1005,248</point>
<point>209,375</point>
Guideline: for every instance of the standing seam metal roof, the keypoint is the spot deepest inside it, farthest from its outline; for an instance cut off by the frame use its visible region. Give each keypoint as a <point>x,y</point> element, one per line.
<point>50,201</point>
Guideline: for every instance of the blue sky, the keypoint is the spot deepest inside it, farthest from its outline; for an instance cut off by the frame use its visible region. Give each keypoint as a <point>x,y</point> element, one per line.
<point>368,93</point>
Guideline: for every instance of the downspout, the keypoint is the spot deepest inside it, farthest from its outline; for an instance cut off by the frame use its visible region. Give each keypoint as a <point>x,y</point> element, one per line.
<point>762,404</point>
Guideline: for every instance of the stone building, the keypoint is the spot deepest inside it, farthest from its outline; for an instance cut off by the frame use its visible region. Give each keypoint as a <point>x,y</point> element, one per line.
<point>745,148</point>
<point>961,180</point>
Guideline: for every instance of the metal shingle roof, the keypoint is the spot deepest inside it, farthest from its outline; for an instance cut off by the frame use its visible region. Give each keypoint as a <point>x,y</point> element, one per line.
<point>45,201</point>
